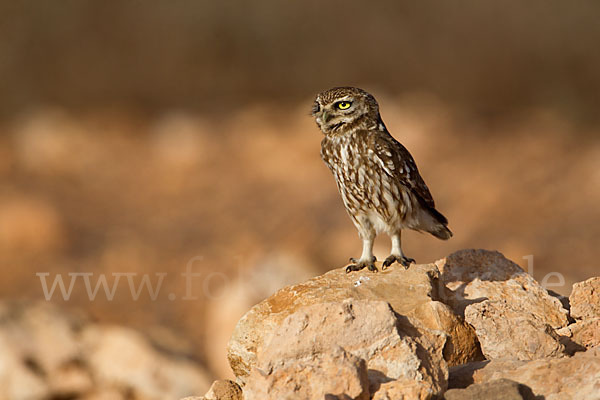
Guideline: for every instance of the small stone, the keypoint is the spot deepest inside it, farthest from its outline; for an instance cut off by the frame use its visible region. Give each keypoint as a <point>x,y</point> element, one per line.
<point>506,331</point>
<point>585,299</point>
<point>224,389</point>
<point>572,378</point>
<point>405,389</point>
<point>581,335</point>
<point>333,375</point>
<point>501,389</point>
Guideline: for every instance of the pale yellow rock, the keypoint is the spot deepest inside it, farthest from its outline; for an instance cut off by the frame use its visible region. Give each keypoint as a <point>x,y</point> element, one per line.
<point>461,344</point>
<point>513,315</point>
<point>124,358</point>
<point>106,394</point>
<point>585,299</point>
<point>471,276</point>
<point>224,389</point>
<point>501,389</point>
<point>47,353</point>
<point>366,329</point>
<point>70,380</point>
<point>46,335</point>
<point>404,290</point>
<point>17,380</point>
<point>582,334</point>
<point>573,378</point>
<point>404,389</point>
<point>332,375</point>
<point>506,331</point>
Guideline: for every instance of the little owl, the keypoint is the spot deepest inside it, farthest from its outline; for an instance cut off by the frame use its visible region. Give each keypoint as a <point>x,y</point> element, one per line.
<point>376,176</point>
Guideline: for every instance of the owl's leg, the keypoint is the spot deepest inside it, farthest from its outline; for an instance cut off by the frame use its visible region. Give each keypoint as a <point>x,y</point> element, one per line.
<point>367,259</point>
<point>397,254</point>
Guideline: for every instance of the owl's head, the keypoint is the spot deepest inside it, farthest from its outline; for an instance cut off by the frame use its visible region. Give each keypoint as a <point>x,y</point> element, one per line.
<point>344,107</point>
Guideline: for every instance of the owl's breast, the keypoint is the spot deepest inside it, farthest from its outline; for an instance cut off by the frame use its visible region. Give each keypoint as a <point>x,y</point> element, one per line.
<point>365,181</point>
<point>357,173</point>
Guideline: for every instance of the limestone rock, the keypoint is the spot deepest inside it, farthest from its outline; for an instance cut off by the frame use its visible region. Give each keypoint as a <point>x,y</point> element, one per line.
<point>405,389</point>
<point>492,293</point>
<point>106,394</point>
<point>366,329</point>
<point>461,344</point>
<point>122,357</point>
<point>332,375</point>
<point>70,381</point>
<point>19,381</point>
<point>582,335</point>
<point>506,331</point>
<point>577,377</point>
<point>501,389</point>
<point>585,299</point>
<point>408,292</point>
<point>46,353</point>
<point>224,389</point>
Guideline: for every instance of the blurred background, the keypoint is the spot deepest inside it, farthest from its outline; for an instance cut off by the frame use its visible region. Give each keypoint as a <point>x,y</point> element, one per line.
<point>146,136</point>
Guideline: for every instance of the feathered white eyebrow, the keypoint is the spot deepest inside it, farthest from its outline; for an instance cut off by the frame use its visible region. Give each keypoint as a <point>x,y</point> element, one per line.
<point>345,98</point>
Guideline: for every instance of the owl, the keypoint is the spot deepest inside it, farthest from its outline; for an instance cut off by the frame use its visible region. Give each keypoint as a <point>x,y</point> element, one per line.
<point>376,176</point>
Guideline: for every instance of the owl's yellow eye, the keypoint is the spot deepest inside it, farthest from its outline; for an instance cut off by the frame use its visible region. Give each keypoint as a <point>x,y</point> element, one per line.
<point>343,105</point>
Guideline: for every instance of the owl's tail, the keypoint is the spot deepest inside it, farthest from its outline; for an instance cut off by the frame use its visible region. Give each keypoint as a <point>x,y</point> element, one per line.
<point>439,228</point>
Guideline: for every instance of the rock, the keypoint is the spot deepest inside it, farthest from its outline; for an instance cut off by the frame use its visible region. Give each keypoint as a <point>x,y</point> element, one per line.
<point>405,389</point>
<point>46,353</point>
<point>461,344</point>
<point>577,377</point>
<point>124,358</point>
<point>18,380</point>
<point>224,389</point>
<point>106,394</point>
<point>471,276</point>
<point>492,293</point>
<point>506,331</point>
<point>581,335</point>
<point>333,375</point>
<point>70,381</point>
<point>47,336</point>
<point>501,389</point>
<point>366,329</point>
<point>407,291</point>
<point>585,299</point>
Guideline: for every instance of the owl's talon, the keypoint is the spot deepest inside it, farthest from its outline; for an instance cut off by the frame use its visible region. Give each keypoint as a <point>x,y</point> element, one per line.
<point>402,260</point>
<point>357,265</point>
<point>407,261</point>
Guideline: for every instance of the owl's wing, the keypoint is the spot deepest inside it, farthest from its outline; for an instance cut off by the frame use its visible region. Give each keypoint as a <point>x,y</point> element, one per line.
<point>400,164</point>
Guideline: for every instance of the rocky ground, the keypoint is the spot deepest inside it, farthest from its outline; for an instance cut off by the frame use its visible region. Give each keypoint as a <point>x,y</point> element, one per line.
<point>46,353</point>
<point>471,326</point>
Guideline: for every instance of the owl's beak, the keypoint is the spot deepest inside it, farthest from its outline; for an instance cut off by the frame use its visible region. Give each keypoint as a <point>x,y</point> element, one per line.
<point>324,117</point>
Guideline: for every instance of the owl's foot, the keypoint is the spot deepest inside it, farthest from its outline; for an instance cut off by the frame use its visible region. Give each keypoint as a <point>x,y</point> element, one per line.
<point>402,260</point>
<point>357,265</point>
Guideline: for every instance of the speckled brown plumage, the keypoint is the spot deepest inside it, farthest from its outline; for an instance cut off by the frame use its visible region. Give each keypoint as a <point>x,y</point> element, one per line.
<point>377,177</point>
